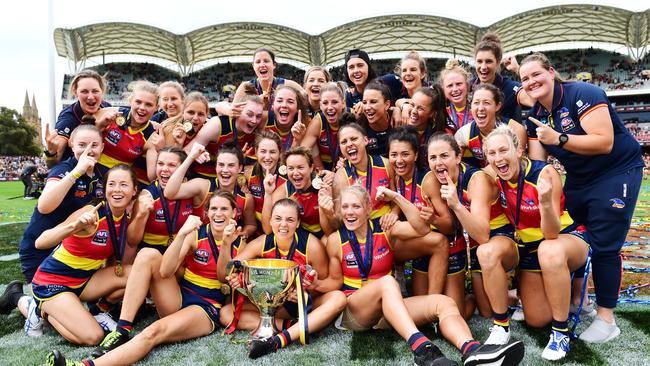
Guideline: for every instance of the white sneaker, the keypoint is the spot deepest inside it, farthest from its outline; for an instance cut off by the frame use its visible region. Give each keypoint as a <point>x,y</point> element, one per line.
<point>587,310</point>
<point>498,335</point>
<point>557,347</point>
<point>518,314</point>
<point>33,323</point>
<point>600,331</point>
<point>106,322</point>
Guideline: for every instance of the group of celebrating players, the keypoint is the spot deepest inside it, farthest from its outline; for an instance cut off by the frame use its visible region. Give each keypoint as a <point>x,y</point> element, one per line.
<point>348,180</point>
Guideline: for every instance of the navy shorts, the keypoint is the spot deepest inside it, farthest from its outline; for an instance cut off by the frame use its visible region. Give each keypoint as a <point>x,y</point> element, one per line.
<point>528,260</point>
<point>47,292</point>
<point>505,230</point>
<point>457,263</point>
<point>189,298</point>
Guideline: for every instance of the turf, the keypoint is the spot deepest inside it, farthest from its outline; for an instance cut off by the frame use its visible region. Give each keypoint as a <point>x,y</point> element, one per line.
<point>12,206</point>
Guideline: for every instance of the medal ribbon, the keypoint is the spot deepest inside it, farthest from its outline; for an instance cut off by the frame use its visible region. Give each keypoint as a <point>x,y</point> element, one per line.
<point>364,263</point>
<point>118,243</point>
<point>454,115</point>
<point>292,248</point>
<point>355,175</point>
<point>170,223</point>
<point>401,185</point>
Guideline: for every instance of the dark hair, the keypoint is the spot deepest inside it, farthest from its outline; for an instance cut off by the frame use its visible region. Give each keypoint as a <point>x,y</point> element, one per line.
<point>497,95</point>
<point>490,42</point>
<point>543,60</point>
<point>441,136</point>
<point>231,147</point>
<point>134,178</point>
<point>299,150</point>
<point>224,194</point>
<point>438,105</point>
<point>354,126</point>
<point>87,74</point>
<point>182,155</point>
<point>302,101</point>
<point>357,53</point>
<point>263,49</point>
<point>404,134</point>
<point>380,87</point>
<point>287,202</point>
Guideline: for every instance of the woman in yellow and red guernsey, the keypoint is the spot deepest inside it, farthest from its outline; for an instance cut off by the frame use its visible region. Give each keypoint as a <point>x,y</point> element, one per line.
<point>322,131</point>
<point>73,272</point>
<point>473,198</point>
<point>486,104</point>
<point>220,129</point>
<point>550,244</point>
<point>127,138</point>
<point>267,151</point>
<point>361,260</point>
<point>371,171</point>
<point>156,220</point>
<point>302,186</point>
<point>230,162</point>
<point>430,252</point>
<point>189,307</point>
<point>454,80</point>
<point>288,241</point>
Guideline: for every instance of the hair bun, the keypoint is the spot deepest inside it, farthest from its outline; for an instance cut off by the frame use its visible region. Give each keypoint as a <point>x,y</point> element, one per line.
<point>491,37</point>
<point>451,63</point>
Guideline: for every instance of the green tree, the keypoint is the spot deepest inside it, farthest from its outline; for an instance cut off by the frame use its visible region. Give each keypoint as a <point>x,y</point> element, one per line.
<point>16,135</point>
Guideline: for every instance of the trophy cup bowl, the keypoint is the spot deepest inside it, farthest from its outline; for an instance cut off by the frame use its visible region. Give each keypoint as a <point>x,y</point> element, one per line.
<point>267,283</point>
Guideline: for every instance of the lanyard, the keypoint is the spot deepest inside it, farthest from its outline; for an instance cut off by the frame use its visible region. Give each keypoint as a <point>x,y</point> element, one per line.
<point>355,175</point>
<point>454,115</point>
<point>520,192</point>
<point>292,248</point>
<point>170,222</point>
<point>364,263</point>
<point>334,150</point>
<point>118,242</point>
<point>401,185</point>
<point>215,248</point>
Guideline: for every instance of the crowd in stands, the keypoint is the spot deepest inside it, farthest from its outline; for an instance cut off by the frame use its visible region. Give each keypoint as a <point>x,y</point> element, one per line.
<point>641,132</point>
<point>12,166</point>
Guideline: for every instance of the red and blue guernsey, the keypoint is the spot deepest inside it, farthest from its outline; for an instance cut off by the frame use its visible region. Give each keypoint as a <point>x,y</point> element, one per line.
<point>77,258</point>
<point>473,154</point>
<point>166,218</point>
<point>308,202</point>
<point>521,204</point>
<point>328,143</point>
<point>364,259</point>
<point>200,276</point>
<point>298,251</point>
<point>286,137</point>
<point>69,118</point>
<point>124,145</point>
<point>277,81</point>
<point>459,117</point>
<point>571,103</point>
<point>256,186</point>
<point>510,107</point>
<point>375,176</point>
<point>412,189</point>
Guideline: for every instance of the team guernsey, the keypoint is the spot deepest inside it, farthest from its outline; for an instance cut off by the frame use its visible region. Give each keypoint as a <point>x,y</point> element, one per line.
<point>411,189</point>
<point>277,81</point>
<point>308,202</point>
<point>364,259</point>
<point>459,116</point>
<point>124,145</point>
<point>69,119</point>
<point>377,141</point>
<point>82,192</point>
<point>298,251</point>
<point>166,216</point>
<point>378,174</point>
<point>525,216</point>
<point>510,107</point>
<point>573,101</point>
<point>256,186</point>
<point>471,136</point>
<point>76,259</point>
<point>285,137</point>
<point>328,143</point>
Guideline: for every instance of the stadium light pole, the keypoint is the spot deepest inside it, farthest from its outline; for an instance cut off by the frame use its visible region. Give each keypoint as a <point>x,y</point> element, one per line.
<point>50,37</point>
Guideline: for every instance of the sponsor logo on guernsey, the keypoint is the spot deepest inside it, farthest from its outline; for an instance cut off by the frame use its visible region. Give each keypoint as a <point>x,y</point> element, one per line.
<point>201,256</point>
<point>100,238</point>
<point>516,88</point>
<point>563,112</point>
<point>567,124</point>
<point>617,203</point>
<point>582,106</point>
<point>477,152</point>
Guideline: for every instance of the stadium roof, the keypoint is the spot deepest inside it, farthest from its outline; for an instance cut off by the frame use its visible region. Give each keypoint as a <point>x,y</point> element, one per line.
<point>395,33</point>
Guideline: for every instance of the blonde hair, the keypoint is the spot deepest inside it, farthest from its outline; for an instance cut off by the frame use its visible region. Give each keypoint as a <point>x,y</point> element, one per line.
<point>422,64</point>
<point>174,85</point>
<point>453,66</point>
<point>311,69</point>
<point>502,130</point>
<point>143,86</point>
<point>359,191</point>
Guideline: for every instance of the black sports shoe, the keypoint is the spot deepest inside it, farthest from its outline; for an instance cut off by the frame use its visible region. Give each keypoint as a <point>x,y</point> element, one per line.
<point>507,354</point>
<point>262,347</point>
<point>432,356</point>
<point>112,340</point>
<point>14,287</point>
<point>56,358</point>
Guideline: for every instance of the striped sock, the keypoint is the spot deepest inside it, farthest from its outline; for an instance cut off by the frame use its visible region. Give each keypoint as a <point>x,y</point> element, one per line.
<point>88,362</point>
<point>469,346</point>
<point>560,326</point>
<point>502,320</point>
<point>101,306</point>
<point>287,323</point>
<point>282,339</point>
<point>418,341</point>
<point>124,327</point>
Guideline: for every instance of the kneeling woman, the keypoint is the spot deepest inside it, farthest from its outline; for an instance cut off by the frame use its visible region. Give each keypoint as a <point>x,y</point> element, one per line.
<point>361,259</point>
<point>287,241</point>
<point>187,310</point>
<point>549,239</point>
<point>73,272</point>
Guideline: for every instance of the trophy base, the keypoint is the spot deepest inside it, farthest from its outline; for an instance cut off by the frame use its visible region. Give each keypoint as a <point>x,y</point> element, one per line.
<point>266,328</point>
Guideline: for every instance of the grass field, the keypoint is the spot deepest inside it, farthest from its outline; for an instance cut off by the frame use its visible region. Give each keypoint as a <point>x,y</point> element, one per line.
<point>331,347</point>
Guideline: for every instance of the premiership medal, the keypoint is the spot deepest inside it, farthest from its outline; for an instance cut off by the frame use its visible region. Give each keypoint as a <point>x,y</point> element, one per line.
<point>225,289</point>
<point>120,120</point>
<point>282,170</point>
<point>316,182</point>
<point>119,270</point>
<point>188,126</point>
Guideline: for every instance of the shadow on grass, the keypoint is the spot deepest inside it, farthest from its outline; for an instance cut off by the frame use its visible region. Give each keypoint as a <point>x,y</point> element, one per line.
<point>580,353</point>
<point>10,271</point>
<point>638,319</point>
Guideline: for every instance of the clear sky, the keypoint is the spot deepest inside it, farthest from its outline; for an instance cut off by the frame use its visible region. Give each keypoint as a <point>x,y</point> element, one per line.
<point>25,37</point>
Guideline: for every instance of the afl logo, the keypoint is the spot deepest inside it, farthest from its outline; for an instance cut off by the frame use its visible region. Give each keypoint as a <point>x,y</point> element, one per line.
<point>114,136</point>
<point>350,260</point>
<point>100,238</point>
<point>160,215</point>
<point>201,256</point>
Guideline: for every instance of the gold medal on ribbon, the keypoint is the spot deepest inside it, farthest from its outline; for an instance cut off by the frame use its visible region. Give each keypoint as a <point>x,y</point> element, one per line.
<point>188,126</point>
<point>119,270</point>
<point>170,240</point>
<point>225,289</point>
<point>282,170</point>
<point>316,182</point>
<point>120,121</point>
